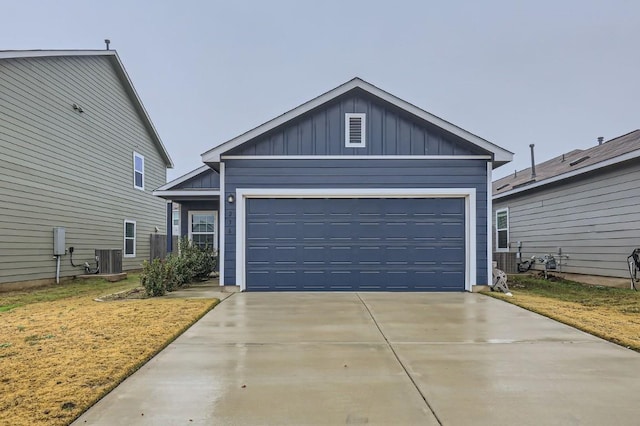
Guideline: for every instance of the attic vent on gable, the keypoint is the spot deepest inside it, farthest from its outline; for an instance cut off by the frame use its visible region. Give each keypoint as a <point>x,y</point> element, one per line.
<point>355,130</point>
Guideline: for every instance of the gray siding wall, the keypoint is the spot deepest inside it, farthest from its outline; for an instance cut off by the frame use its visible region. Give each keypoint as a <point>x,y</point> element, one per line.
<point>594,220</point>
<point>63,168</point>
<point>356,174</point>
<point>388,132</point>
<point>207,180</point>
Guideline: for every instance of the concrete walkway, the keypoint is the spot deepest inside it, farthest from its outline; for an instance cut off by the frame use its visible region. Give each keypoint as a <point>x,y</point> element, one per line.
<point>377,358</point>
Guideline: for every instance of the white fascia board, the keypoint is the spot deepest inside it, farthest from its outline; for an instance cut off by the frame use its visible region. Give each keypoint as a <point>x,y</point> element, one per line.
<point>213,155</point>
<point>613,161</point>
<point>356,157</point>
<point>469,194</point>
<point>186,193</point>
<point>183,178</point>
<point>14,54</point>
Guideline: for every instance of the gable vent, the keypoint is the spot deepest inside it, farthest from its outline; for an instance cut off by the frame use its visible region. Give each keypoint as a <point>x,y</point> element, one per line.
<point>354,130</point>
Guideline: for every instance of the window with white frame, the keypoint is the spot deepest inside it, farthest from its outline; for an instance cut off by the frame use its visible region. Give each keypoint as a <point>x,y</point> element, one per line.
<point>502,230</point>
<point>175,220</point>
<point>202,229</point>
<point>355,135</point>
<point>129,238</point>
<point>138,171</point>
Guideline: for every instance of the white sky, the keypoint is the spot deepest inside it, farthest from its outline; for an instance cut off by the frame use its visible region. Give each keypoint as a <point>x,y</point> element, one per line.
<point>554,73</point>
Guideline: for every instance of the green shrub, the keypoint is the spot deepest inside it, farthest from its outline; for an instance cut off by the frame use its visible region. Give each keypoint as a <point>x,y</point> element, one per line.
<point>193,263</point>
<point>152,278</point>
<point>199,263</point>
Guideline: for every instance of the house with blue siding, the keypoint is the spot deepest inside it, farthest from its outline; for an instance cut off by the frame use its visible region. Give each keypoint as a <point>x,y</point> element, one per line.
<point>355,190</point>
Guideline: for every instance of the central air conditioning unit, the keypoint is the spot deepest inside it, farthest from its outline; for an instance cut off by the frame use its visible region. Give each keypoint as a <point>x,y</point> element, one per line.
<point>110,260</point>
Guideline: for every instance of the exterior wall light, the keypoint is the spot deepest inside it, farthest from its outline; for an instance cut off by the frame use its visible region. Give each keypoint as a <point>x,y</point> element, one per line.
<point>230,199</point>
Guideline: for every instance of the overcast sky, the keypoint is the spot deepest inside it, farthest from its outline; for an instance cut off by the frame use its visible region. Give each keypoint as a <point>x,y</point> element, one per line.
<point>554,73</point>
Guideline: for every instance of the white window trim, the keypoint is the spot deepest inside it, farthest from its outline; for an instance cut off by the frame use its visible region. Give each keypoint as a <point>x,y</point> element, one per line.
<point>469,194</point>
<point>124,238</point>
<point>363,122</point>
<point>498,248</point>
<point>135,154</point>
<point>215,225</point>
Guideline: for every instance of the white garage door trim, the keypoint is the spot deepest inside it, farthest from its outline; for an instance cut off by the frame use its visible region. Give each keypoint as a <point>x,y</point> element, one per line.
<point>469,194</point>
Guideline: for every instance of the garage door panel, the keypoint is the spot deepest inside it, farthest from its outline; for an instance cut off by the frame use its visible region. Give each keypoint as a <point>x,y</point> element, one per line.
<point>355,244</point>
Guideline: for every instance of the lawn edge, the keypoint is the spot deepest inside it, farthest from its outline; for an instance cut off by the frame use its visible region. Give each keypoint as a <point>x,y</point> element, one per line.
<point>577,326</point>
<point>127,373</point>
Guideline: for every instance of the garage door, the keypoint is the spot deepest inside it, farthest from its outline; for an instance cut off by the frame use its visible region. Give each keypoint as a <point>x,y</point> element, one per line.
<point>361,244</point>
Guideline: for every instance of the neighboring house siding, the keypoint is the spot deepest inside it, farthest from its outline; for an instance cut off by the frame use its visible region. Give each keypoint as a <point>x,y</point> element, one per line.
<point>388,132</point>
<point>593,219</point>
<point>389,173</point>
<point>65,168</point>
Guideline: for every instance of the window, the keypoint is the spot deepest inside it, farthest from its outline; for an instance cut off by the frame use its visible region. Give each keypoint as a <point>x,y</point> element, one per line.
<point>202,228</point>
<point>175,220</point>
<point>502,230</point>
<point>354,130</point>
<point>129,238</point>
<point>138,171</point>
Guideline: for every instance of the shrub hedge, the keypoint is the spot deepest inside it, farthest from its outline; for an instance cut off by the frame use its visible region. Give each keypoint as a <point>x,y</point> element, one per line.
<point>193,263</point>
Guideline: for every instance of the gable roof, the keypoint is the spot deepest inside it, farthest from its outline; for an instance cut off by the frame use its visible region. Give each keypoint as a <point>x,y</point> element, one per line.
<point>113,57</point>
<point>572,164</point>
<point>174,191</point>
<point>177,181</point>
<point>500,155</point>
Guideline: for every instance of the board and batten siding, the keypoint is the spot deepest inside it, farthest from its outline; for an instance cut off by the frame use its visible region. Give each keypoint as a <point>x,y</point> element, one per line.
<point>593,219</point>
<point>70,169</point>
<point>361,173</point>
<point>207,180</point>
<point>388,132</point>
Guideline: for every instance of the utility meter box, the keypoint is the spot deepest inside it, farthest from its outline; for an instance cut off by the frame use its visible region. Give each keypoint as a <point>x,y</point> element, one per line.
<point>58,241</point>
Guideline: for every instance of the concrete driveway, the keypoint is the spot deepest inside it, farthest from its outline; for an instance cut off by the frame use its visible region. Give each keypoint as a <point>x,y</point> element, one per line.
<point>378,358</point>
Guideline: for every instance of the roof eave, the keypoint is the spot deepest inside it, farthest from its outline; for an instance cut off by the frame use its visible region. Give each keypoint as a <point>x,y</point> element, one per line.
<point>573,173</point>
<point>193,194</point>
<point>500,155</point>
<point>177,181</point>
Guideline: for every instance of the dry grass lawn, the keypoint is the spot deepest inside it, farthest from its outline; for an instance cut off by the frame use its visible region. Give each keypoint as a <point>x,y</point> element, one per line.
<point>610,313</point>
<point>60,351</point>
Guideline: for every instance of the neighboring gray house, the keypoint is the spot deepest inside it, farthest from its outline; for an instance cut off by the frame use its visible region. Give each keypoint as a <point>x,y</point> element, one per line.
<point>583,203</point>
<point>353,190</point>
<point>78,151</point>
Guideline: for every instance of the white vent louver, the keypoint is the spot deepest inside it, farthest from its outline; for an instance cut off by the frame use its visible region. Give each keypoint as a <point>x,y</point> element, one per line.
<point>355,134</point>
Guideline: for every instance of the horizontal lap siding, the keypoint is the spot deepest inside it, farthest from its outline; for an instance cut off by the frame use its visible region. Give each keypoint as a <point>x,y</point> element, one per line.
<point>593,220</point>
<point>357,174</point>
<point>63,168</point>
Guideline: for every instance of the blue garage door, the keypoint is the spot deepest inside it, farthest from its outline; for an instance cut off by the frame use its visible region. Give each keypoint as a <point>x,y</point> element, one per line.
<point>359,244</point>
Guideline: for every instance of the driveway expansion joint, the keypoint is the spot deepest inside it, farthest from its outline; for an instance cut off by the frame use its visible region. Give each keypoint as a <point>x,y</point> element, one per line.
<point>390,346</point>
